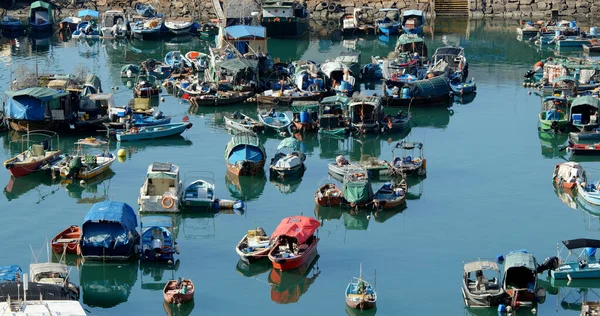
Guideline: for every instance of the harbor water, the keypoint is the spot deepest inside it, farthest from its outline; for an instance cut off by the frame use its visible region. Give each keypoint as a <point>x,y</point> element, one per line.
<point>488,189</point>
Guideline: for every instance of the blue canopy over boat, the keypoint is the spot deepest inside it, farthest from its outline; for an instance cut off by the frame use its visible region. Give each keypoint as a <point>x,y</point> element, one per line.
<point>108,222</point>
<point>30,104</point>
<point>245,153</point>
<point>110,211</point>
<point>88,12</point>
<point>9,273</point>
<point>245,31</point>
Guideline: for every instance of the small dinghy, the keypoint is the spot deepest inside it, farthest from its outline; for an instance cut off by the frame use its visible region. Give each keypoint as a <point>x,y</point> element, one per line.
<point>275,121</point>
<point>179,26</point>
<point>153,132</point>
<point>396,123</point>
<point>179,291</point>
<point>254,246</point>
<point>67,240</point>
<point>360,294</point>
<point>243,123</point>
<point>583,149</point>
<point>286,165</point>
<point>33,159</point>
<point>390,195</point>
<point>200,192</point>
<point>406,164</point>
<point>567,174</point>
<point>484,290</point>
<point>341,167</point>
<point>329,195</point>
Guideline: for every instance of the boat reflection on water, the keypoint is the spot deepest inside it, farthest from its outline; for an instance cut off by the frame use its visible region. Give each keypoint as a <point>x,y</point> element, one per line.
<point>436,117</point>
<point>254,269</point>
<point>357,312</point>
<point>357,219</point>
<point>565,196</point>
<point>19,186</point>
<point>552,143</point>
<point>75,189</point>
<point>179,309</point>
<point>286,186</point>
<point>333,146</point>
<point>107,284</point>
<point>572,293</point>
<point>288,286</point>
<point>488,311</point>
<point>415,187</point>
<point>152,274</point>
<point>380,216</point>
<point>135,147</point>
<point>247,188</point>
<point>71,260</point>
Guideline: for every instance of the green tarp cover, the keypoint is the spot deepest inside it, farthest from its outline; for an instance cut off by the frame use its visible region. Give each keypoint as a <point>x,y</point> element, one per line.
<point>520,259</point>
<point>162,175</point>
<point>433,87</point>
<point>586,100</point>
<point>131,67</point>
<point>359,191</point>
<point>289,142</point>
<point>299,106</point>
<point>41,93</point>
<point>237,64</point>
<point>336,99</point>
<point>40,4</point>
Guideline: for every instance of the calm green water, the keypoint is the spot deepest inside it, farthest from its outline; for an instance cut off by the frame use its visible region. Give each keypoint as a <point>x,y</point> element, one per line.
<point>487,192</point>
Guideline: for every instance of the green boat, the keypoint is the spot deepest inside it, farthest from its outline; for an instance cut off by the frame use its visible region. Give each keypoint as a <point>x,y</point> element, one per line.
<point>584,113</point>
<point>332,116</point>
<point>357,189</point>
<point>553,115</point>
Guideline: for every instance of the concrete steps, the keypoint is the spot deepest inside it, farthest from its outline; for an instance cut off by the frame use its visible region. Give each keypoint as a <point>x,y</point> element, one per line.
<point>451,7</point>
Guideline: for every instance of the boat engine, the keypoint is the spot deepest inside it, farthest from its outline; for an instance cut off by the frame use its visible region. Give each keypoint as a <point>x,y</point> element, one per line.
<point>551,263</point>
<point>157,245</point>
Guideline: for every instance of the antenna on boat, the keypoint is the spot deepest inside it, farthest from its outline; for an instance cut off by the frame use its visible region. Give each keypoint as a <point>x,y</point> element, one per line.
<point>375,281</point>
<point>33,254</point>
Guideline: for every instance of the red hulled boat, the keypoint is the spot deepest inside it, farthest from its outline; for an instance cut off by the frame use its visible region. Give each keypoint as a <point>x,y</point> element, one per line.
<point>67,240</point>
<point>295,242</point>
<point>584,149</point>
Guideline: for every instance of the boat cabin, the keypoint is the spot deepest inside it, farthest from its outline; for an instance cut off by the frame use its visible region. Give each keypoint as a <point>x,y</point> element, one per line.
<point>40,13</point>
<point>413,21</point>
<point>520,277</point>
<point>161,189</point>
<point>584,112</point>
<point>366,110</point>
<point>481,279</point>
<point>411,44</point>
<point>332,112</point>
<point>449,60</point>
<point>283,9</point>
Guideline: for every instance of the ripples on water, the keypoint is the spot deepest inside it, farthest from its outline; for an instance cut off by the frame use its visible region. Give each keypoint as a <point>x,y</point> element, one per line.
<point>488,188</point>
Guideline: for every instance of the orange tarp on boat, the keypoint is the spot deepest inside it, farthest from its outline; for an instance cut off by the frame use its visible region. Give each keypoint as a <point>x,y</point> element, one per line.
<point>299,227</point>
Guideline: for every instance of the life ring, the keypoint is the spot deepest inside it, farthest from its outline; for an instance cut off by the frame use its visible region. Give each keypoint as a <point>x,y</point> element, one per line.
<point>134,130</point>
<point>167,202</point>
<point>276,100</point>
<point>276,20</point>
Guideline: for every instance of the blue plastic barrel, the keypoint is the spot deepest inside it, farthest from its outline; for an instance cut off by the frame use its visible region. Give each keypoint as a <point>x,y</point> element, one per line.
<point>594,31</point>
<point>572,24</point>
<point>304,117</point>
<point>406,93</point>
<point>591,252</point>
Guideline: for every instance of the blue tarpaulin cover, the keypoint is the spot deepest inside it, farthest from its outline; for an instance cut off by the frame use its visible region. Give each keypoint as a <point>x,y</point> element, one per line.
<point>245,31</point>
<point>8,273</point>
<point>29,104</point>
<point>110,211</point>
<point>245,152</point>
<point>107,222</point>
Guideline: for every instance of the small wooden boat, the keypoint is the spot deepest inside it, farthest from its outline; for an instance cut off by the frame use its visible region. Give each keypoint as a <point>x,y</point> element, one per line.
<point>290,164</point>
<point>82,165</point>
<point>175,58</point>
<point>220,98</point>
<point>390,195</point>
<point>243,123</point>
<point>365,114</point>
<point>179,26</point>
<point>199,60</point>
<point>41,18</point>
<point>179,291</point>
<point>275,121</point>
<point>342,167</point>
<point>357,189</point>
<point>153,132</point>
<point>305,116</point>
<point>34,158</point>
<point>568,174</point>
<point>552,116</point>
<point>589,192</point>
<point>583,149</point>
<point>413,21</point>
<point>361,294</point>
<point>157,242</point>
<point>147,29</point>
<point>294,242</point>
<point>396,123</point>
<point>254,246</point>
<point>67,240</point>
<point>408,164</point>
<point>199,193</point>
<point>461,88</point>
<point>245,155</point>
<point>328,195</point>
<point>481,291</point>
<point>519,280</point>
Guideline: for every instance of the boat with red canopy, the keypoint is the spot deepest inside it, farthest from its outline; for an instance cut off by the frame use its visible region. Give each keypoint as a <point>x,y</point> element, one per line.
<point>295,242</point>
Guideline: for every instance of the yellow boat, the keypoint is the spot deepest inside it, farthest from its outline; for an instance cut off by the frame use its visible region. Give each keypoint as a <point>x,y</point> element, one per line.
<point>84,166</point>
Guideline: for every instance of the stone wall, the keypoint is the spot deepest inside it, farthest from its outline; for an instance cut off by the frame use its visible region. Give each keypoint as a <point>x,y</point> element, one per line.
<point>533,8</point>
<point>333,10</point>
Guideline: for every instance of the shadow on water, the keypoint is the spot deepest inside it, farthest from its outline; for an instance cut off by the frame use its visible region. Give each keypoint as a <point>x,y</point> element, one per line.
<point>107,284</point>
<point>286,186</point>
<point>288,286</point>
<point>138,147</point>
<point>571,294</point>
<point>254,269</point>
<point>95,189</point>
<point>246,188</point>
<point>357,312</point>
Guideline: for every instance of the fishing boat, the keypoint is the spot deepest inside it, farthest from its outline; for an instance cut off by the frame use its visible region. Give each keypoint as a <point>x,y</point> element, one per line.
<point>109,232</point>
<point>341,167</point>
<point>589,192</point>
<point>67,241</point>
<point>305,116</point>
<point>332,113</point>
<point>329,195</point>
<point>179,26</point>
<point>584,113</point>
<point>220,98</point>
<point>408,164</point>
<point>145,10</point>
<point>26,109</point>
<point>10,24</point>
<point>294,242</point>
<point>484,290</point>
<point>290,164</point>
<point>153,132</point>
<point>459,87</point>
<point>419,93</point>
<point>283,19</point>
<point>583,149</point>
<point>366,114</point>
<point>146,86</point>
<point>245,155</point>
<point>56,274</point>
<point>390,195</point>
<point>161,190</point>
<point>254,246</point>
<point>395,123</point>
<point>357,189</point>
<point>41,18</point>
<point>360,294</point>
<point>114,23</point>
<point>199,60</point>
<point>82,165</point>
<point>449,61</point>
<point>274,121</point>
<point>175,58</point>
<point>410,44</point>
<point>179,291</point>
<point>568,174</point>
<point>243,123</point>
<point>388,25</point>
<point>339,77</point>
<point>578,264</point>
<point>123,117</point>
<point>69,23</point>
<point>519,280</point>
<point>199,192</point>
<point>146,29</point>
<point>552,116</point>
<point>88,28</point>
<point>413,21</point>
<point>36,156</point>
<point>157,242</point>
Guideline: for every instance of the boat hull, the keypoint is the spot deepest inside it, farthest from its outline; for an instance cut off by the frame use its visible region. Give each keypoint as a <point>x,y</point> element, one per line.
<point>285,173</point>
<point>293,263</point>
<point>593,199</point>
<point>22,169</point>
<point>146,35</point>
<point>363,305</point>
<point>173,295</point>
<point>484,300</point>
<point>67,241</point>
<point>247,168</point>
<point>285,27</point>
<point>41,28</point>
<point>144,135</point>
<point>549,125</point>
<point>571,270</point>
<point>287,100</point>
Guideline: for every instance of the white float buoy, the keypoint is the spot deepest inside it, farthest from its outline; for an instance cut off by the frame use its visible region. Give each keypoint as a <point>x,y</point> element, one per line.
<point>82,182</point>
<point>368,217</point>
<point>162,99</point>
<point>529,92</point>
<point>117,88</point>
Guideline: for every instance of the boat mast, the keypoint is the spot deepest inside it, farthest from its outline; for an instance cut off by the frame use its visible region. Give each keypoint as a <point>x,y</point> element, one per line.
<point>375,281</point>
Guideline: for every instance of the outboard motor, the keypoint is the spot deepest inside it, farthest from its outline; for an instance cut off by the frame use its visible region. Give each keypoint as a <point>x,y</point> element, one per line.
<point>158,114</point>
<point>157,245</point>
<point>529,73</point>
<point>551,263</point>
